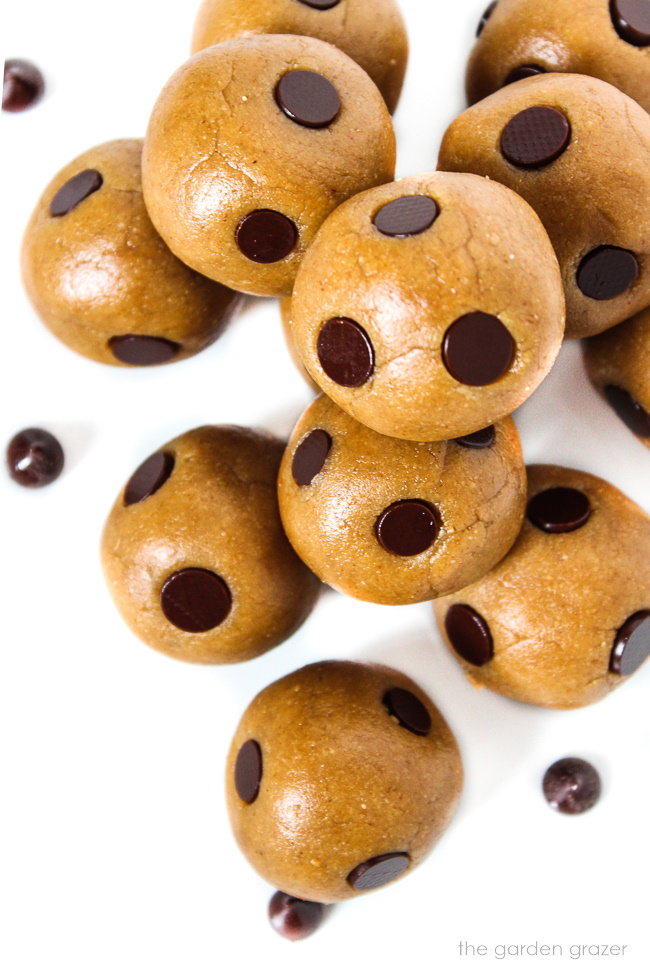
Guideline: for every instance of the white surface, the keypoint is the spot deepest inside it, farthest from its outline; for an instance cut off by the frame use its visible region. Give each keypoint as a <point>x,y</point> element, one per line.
<point>116,853</point>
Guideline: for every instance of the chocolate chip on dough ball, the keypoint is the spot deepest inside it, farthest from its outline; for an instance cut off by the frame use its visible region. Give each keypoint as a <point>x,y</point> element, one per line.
<point>194,553</point>
<point>393,521</point>
<point>577,150</point>
<point>371,32</point>
<point>101,278</point>
<point>565,617</point>
<point>341,777</point>
<point>431,307</point>
<point>251,145</point>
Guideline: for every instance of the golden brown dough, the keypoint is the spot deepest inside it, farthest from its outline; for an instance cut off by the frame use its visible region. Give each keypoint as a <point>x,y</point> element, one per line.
<point>285,316</point>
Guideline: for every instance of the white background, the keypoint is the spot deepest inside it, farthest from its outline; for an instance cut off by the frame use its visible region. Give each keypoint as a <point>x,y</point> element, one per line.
<point>116,853</point>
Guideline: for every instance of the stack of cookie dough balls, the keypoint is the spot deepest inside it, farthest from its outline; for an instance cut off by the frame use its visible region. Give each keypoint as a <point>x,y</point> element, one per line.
<point>194,553</point>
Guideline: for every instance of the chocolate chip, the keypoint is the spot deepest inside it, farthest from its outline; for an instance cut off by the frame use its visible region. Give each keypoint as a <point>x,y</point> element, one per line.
<point>378,871</point>
<point>571,785</point>
<point>632,645</point>
<point>607,272</point>
<point>34,458</point>
<point>628,410</point>
<point>469,634</point>
<point>407,527</point>
<point>149,478</point>
<point>22,85</point>
<point>293,918</point>
<point>487,13</point>
<point>558,510</point>
<point>310,456</point>
<point>75,191</point>
<point>308,98</point>
<point>195,600</point>
<point>523,71</point>
<point>406,216</point>
<point>345,352</point>
<point>479,440</point>
<point>631,19</point>
<point>535,137</point>
<point>477,349</point>
<point>143,350</point>
<point>409,711</point>
<point>266,236</point>
<point>248,771</point>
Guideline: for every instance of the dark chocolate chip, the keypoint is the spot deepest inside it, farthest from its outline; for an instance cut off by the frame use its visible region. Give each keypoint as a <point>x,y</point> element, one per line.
<point>479,440</point>
<point>571,785</point>
<point>292,918</point>
<point>409,711</point>
<point>558,510</point>
<point>407,527</point>
<point>308,98</point>
<point>345,352</point>
<point>523,71</point>
<point>195,600</point>
<point>22,85</point>
<point>487,13</point>
<point>607,272</point>
<point>469,634</point>
<point>34,458</point>
<point>149,477</point>
<point>477,349</point>
<point>143,350</point>
<point>310,456</point>
<point>266,236</point>
<point>378,871</point>
<point>631,19</point>
<point>406,216</point>
<point>248,771</point>
<point>632,645</point>
<point>628,410</point>
<point>535,137</point>
<point>75,191</point>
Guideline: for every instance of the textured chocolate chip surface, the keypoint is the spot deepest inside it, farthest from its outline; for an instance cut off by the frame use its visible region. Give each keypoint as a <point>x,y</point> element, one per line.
<point>308,98</point>
<point>34,458</point>
<point>195,600</point>
<point>75,191</point>
<point>632,644</point>
<point>143,350</point>
<point>469,634</point>
<point>248,771</point>
<point>628,410</point>
<point>558,510</point>
<point>631,19</point>
<point>321,4</point>
<point>409,711</point>
<point>487,13</point>
<point>293,918</point>
<point>535,137</point>
<point>345,352</point>
<point>479,440</point>
<point>571,785</point>
<point>378,871</point>
<point>406,216</point>
<point>524,71</point>
<point>477,349</point>
<point>22,85</point>
<point>607,272</point>
<point>266,236</point>
<point>149,477</point>
<point>407,527</point>
<point>310,456</point>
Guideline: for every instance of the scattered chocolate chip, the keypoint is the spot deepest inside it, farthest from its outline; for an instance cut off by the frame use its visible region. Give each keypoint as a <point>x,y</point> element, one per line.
<point>195,600</point>
<point>378,871</point>
<point>535,137</point>
<point>308,98</point>
<point>345,352</point>
<point>292,918</point>
<point>22,85</point>
<point>75,191</point>
<point>34,458</point>
<point>409,711</point>
<point>407,528</point>
<point>310,456</point>
<point>631,19</point>
<point>321,4</point>
<point>149,477</point>
<point>607,272</point>
<point>406,216</point>
<point>628,410</point>
<point>469,634</point>
<point>477,349</point>
<point>632,645</point>
<point>248,771</point>
<point>487,13</point>
<point>143,350</point>
<point>558,510</point>
<point>523,71</point>
<point>479,440</point>
<point>266,236</point>
<point>571,785</point>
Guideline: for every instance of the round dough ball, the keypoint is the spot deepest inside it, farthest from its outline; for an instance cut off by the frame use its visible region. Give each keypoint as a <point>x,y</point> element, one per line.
<point>102,279</point>
<point>431,307</point>
<point>371,32</point>
<point>393,521</point>
<point>577,150</point>
<point>340,777</point>
<point>520,38</point>
<point>565,617</point>
<point>194,553</point>
<point>285,315</point>
<point>618,364</point>
<point>251,144</point>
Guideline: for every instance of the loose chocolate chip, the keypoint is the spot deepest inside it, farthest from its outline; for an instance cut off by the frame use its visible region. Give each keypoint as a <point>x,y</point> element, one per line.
<point>607,272</point>
<point>248,771</point>
<point>378,871</point>
<point>477,349</point>
<point>571,785</point>
<point>535,137</point>
<point>632,645</point>
<point>292,918</point>
<point>523,71</point>
<point>407,527</point>
<point>310,456</point>
<point>266,236</point>
<point>631,19</point>
<point>628,410</point>
<point>558,510</point>
<point>308,98</point>
<point>469,634</point>
<point>345,352</point>
<point>195,600</point>
<point>22,85</point>
<point>487,13</point>
<point>75,191</point>
<point>409,710</point>
<point>149,478</point>
<point>143,350</point>
<point>34,457</point>
<point>406,216</point>
<point>479,440</point>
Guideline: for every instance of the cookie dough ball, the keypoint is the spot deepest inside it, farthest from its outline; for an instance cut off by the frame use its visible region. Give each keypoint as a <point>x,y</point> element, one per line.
<point>251,145</point>
<point>565,618</point>
<point>393,521</point>
<point>578,150</point>
<point>618,364</point>
<point>341,777</point>
<point>609,39</point>
<point>194,553</point>
<point>102,279</point>
<point>371,32</point>
<point>431,307</point>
